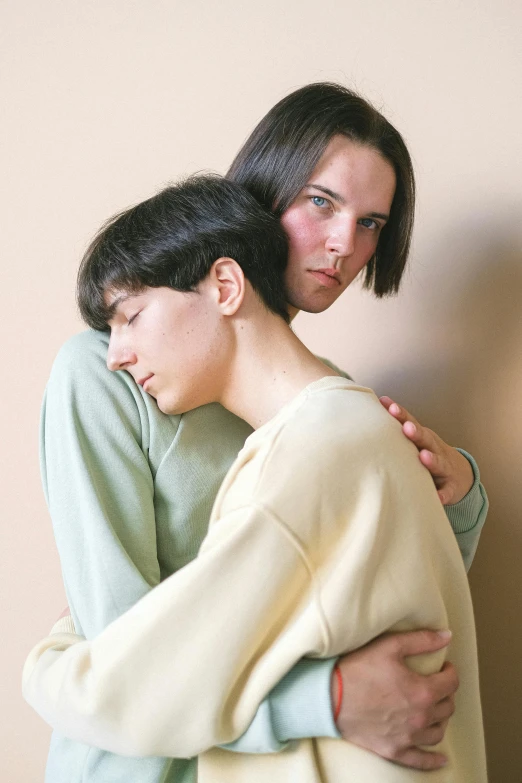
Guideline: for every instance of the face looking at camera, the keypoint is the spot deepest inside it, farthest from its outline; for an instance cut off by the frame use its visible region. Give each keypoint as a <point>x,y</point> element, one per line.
<point>334,224</point>
<point>178,345</point>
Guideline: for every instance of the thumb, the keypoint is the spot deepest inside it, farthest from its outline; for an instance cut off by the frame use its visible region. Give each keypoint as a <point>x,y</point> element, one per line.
<point>421,642</point>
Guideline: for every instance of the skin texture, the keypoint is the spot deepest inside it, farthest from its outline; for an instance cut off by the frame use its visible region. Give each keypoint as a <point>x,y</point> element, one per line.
<point>392,711</point>
<point>151,339</point>
<point>338,233</point>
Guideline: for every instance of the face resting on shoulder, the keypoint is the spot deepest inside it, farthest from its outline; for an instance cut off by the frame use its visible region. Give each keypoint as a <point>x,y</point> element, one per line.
<point>174,343</point>
<point>334,224</point>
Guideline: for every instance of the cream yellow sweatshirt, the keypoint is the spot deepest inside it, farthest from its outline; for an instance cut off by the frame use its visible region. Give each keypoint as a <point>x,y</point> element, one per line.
<point>326,533</point>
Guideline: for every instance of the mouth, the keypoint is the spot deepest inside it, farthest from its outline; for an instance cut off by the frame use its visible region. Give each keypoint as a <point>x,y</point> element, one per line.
<point>143,381</point>
<point>330,278</point>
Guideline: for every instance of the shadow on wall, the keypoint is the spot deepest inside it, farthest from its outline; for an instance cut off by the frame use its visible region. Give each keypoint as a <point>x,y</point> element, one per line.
<point>469,389</point>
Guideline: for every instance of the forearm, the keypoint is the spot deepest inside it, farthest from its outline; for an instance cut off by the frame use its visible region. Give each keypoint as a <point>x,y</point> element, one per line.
<point>299,706</point>
<point>135,689</point>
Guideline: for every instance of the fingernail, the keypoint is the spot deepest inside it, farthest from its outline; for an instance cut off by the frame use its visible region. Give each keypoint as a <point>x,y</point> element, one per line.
<point>446,635</point>
<point>395,408</point>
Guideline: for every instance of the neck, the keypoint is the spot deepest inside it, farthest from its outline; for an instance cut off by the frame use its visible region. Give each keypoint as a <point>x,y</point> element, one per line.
<point>270,366</point>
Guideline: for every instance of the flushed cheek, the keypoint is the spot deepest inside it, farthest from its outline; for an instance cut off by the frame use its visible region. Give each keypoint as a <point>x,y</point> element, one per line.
<point>301,231</point>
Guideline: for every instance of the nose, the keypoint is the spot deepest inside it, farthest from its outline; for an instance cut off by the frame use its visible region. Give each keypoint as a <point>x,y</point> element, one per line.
<point>341,238</point>
<point>119,355</point>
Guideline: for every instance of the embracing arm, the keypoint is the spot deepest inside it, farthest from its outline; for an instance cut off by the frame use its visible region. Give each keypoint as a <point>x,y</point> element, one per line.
<point>96,470</point>
<point>456,476</point>
<point>95,433</point>
<point>140,677</point>
<point>96,691</point>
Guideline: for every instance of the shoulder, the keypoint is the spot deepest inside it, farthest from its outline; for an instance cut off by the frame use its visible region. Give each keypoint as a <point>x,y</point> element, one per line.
<point>81,362</point>
<point>80,378</point>
<point>336,410</point>
<point>337,422</point>
<point>86,348</point>
<point>339,445</point>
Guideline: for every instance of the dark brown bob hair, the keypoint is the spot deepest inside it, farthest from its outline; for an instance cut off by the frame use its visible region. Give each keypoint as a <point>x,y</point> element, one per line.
<point>279,156</point>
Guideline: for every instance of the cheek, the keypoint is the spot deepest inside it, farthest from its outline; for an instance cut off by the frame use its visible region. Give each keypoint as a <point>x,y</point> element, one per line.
<point>367,247</point>
<point>301,230</point>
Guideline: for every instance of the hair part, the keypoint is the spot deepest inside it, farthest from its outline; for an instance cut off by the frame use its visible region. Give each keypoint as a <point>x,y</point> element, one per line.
<point>277,159</point>
<point>172,240</point>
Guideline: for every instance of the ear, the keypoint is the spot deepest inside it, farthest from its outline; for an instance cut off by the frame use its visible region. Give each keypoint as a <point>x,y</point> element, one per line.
<point>228,281</point>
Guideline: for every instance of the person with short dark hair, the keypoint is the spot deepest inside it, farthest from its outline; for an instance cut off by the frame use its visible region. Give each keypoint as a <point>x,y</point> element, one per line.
<point>130,489</point>
<point>301,558</point>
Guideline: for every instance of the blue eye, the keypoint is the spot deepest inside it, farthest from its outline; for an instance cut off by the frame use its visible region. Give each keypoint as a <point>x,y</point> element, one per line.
<point>319,201</point>
<point>369,223</point>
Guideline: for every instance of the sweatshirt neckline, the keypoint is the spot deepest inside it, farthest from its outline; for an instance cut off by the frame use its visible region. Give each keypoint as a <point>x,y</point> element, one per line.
<point>328,382</point>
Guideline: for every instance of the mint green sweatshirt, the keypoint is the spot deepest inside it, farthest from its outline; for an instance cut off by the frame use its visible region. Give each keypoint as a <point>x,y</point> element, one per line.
<point>130,491</point>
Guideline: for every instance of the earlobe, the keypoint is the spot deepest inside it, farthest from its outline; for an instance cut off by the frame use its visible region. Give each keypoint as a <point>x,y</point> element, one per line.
<point>229,281</point>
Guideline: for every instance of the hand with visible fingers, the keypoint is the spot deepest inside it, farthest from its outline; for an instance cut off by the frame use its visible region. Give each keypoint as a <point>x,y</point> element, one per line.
<point>389,709</point>
<point>450,470</point>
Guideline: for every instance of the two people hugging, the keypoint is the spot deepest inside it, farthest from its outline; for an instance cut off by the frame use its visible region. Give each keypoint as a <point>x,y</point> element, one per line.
<point>262,579</point>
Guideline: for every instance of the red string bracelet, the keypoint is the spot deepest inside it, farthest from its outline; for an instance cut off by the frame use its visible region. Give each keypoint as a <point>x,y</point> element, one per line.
<point>339,692</point>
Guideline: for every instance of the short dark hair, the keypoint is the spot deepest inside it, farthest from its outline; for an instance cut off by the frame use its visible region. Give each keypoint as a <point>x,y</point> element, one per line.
<point>280,154</point>
<point>172,240</point>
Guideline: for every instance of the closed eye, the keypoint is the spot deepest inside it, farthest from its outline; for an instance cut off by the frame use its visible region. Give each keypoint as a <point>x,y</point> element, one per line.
<point>133,318</point>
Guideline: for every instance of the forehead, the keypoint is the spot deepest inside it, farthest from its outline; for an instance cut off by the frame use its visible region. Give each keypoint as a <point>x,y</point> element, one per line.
<point>114,298</point>
<point>351,168</point>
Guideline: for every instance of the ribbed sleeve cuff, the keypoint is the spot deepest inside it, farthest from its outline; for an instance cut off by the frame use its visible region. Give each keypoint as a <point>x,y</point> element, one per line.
<point>465,514</point>
<point>64,625</point>
<point>301,703</point>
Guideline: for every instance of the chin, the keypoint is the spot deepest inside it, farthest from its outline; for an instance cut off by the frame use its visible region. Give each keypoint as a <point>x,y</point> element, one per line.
<point>311,305</point>
<point>173,407</point>
<point>167,406</point>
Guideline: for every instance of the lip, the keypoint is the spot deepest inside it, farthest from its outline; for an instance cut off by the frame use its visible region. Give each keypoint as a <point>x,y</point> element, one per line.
<point>327,277</point>
<point>145,380</point>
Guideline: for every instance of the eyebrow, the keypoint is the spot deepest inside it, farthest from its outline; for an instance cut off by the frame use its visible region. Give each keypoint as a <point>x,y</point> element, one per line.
<point>111,310</point>
<point>341,200</point>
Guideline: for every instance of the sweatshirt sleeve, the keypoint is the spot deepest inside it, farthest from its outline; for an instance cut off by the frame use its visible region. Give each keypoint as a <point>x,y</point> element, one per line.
<point>99,488</point>
<point>98,484</point>
<point>243,630</point>
<point>467,517</point>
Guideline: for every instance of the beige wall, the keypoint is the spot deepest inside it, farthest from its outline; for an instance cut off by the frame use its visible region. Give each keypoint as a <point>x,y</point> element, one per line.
<point>107,101</point>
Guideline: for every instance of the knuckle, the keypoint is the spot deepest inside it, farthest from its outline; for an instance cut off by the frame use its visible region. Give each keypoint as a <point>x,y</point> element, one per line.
<point>438,735</point>
<point>393,644</point>
<point>393,753</point>
<point>418,722</point>
<point>429,762</point>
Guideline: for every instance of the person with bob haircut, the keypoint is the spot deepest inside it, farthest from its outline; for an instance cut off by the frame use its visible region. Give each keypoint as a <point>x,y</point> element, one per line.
<point>325,534</point>
<point>130,489</point>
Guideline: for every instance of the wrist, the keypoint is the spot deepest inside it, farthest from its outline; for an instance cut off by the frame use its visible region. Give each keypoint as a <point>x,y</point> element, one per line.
<point>469,469</point>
